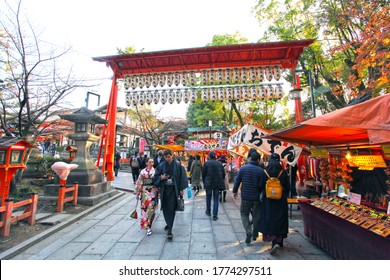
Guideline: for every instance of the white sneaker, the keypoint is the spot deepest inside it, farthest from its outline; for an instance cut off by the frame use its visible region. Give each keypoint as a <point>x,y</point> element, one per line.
<point>149,232</point>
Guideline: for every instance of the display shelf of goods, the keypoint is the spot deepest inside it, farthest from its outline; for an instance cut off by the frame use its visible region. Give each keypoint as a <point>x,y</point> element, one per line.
<point>361,215</point>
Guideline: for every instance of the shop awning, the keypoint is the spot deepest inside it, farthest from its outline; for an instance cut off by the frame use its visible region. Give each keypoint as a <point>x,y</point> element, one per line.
<point>367,123</point>
<point>250,136</point>
<point>173,148</point>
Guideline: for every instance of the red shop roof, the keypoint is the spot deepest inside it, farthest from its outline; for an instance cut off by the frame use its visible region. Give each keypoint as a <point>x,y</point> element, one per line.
<point>285,54</point>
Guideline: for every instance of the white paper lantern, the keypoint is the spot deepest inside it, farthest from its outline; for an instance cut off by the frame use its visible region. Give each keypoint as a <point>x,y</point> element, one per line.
<point>229,93</point>
<point>203,77</point>
<point>279,92</point>
<point>134,82</point>
<point>221,94</point>
<point>192,78</point>
<point>126,82</point>
<point>213,94</point>
<point>236,75</point>
<point>268,73</point>
<point>178,96</point>
<point>237,93</point>
<point>141,98</point>
<point>148,97</point>
<point>260,74</point>
<point>176,78</point>
<point>270,92</point>
<point>148,80</point>
<point>205,95</point>
<point>245,93</point>
<point>128,98</point>
<point>171,96</point>
<point>141,80</point>
<point>169,79</point>
<point>184,78</point>
<point>164,96</point>
<point>244,75</point>
<point>186,95</point>
<point>277,72</point>
<point>220,76</point>
<point>262,92</point>
<point>228,76</point>
<point>252,74</point>
<point>155,79</point>
<point>252,93</point>
<point>193,95</point>
<point>162,79</point>
<point>211,79</point>
<point>156,96</point>
<point>134,98</point>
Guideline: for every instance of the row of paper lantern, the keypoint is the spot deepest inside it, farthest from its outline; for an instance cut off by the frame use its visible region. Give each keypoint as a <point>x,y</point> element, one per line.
<point>207,94</point>
<point>211,76</point>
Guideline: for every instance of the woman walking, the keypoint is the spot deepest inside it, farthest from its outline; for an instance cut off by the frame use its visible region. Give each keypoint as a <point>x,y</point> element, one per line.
<point>148,194</point>
<point>274,213</point>
<point>195,173</point>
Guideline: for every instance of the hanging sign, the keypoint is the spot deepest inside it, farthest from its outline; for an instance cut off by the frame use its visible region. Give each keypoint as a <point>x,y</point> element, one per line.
<point>205,145</point>
<point>354,198</point>
<point>319,153</point>
<point>386,150</point>
<point>368,162</point>
<point>252,136</point>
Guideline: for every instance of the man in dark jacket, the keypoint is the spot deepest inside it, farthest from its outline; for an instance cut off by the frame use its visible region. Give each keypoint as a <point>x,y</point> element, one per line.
<point>252,178</point>
<point>159,158</point>
<point>213,175</point>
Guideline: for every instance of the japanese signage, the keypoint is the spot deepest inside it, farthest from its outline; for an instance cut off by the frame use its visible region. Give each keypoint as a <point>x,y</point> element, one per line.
<point>386,150</point>
<point>205,145</point>
<point>368,162</point>
<point>354,198</point>
<point>252,136</point>
<point>319,153</point>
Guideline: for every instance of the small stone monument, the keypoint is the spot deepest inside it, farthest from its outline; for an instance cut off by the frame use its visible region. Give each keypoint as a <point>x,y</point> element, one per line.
<point>92,187</point>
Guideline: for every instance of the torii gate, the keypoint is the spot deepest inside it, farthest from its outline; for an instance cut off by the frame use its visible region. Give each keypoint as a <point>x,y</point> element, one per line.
<point>282,54</point>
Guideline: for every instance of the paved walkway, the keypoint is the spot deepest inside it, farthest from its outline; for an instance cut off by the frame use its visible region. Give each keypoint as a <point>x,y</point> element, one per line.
<point>107,232</point>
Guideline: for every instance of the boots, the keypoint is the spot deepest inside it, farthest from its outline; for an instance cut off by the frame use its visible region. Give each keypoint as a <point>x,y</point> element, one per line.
<point>220,196</point>
<point>224,196</point>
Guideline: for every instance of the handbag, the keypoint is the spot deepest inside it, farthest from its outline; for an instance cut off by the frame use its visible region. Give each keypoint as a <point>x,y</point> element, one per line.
<point>134,214</point>
<point>180,203</point>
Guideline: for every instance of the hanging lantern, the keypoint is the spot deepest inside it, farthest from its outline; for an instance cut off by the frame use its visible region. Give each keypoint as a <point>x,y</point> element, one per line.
<point>171,96</point>
<point>155,79</point>
<point>178,96</point>
<point>279,92</point>
<point>141,81</point>
<point>148,80</point>
<point>192,78</point>
<point>244,75</point>
<point>169,79</point>
<point>176,78</point>
<point>141,99</point>
<point>220,76</point>
<point>252,93</point>
<point>236,75</point>
<point>262,92</point>
<point>128,98</point>
<point>186,95</point>
<point>228,75</point>
<point>148,97</point>
<point>211,79</point>
<point>270,92</point>
<point>277,72</point>
<point>268,73</point>
<point>205,95</point>
<point>252,74</point>
<point>221,94</point>
<point>260,74</point>
<point>237,93</point>
<point>204,77</point>
<point>213,94</point>
<point>162,79</point>
<point>164,96</point>
<point>245,93</point>
<point>133,82</point>
<point>184,78</point>
<point>156,96</point>
<point>126,82</point>
<point>229,93</point>
<point>193,95</point>
<point>134,98</point>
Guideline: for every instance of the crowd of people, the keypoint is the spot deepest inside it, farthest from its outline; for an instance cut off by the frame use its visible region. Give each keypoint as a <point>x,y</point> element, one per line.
<point>162,180</point>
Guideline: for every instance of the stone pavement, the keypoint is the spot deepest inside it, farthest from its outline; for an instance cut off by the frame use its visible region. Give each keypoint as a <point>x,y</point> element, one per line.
<point>107,232</point>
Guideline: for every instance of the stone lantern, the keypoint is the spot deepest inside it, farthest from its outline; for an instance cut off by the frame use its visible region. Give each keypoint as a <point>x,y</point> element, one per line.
<point>92,187</point>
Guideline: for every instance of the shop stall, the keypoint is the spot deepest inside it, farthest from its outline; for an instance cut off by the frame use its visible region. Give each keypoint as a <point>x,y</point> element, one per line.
<point>352,219</point>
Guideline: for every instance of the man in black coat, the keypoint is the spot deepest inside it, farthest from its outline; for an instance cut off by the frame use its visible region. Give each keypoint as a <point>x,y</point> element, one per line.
<point>213,175</point>
<point>252,178</point>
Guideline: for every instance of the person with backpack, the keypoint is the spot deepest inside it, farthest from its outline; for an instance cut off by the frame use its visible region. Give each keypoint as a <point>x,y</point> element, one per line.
<point>252,178</point>
<point>273,211</point>
<point>135,163</point>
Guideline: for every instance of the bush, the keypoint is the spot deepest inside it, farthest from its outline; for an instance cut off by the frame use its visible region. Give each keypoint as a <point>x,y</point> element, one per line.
<point>43,166</point>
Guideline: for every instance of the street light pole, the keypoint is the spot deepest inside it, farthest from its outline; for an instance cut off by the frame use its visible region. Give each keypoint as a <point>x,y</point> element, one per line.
<point>210,125</point>
<point>297,87</point>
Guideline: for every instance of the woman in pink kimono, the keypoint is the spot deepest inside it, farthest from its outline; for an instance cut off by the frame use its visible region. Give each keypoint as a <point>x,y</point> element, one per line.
<point>148,194</point>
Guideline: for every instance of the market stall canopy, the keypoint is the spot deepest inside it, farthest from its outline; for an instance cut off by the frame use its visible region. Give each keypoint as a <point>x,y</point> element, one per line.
<point>173,148</point>
<point>251,136</point>
<point>367,123</point>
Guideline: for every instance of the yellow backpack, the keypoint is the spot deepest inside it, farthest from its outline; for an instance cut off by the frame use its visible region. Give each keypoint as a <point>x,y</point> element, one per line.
<point>273,187</point>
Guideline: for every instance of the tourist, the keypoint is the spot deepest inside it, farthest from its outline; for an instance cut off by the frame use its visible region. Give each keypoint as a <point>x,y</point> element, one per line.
<point>195,173</point>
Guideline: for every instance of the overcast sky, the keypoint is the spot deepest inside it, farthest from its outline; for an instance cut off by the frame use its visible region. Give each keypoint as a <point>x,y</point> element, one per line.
<point>97,28</point>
